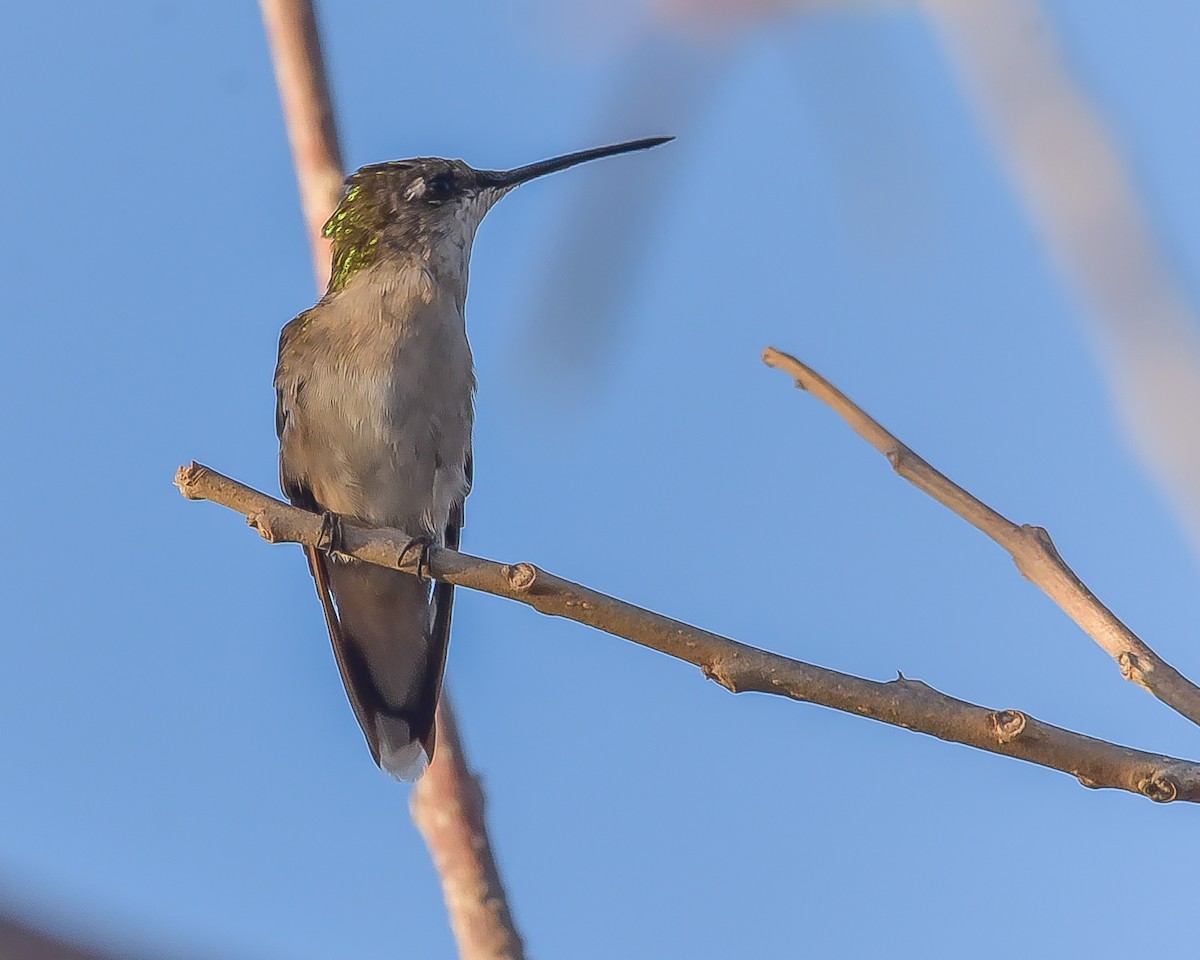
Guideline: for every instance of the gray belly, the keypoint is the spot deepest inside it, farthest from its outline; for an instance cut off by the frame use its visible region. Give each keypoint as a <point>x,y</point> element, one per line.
<point>379,428</point>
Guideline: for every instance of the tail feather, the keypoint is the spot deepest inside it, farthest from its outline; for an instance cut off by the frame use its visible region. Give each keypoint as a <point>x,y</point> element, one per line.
<point>381,629</point>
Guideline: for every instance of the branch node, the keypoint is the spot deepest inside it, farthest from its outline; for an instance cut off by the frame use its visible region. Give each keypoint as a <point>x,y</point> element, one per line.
<point>1160,788</point>
<point>261,522</point>
<point>897,455</point>
<point>1131,666</point>
<point>1007,725</point>
<point>1087,782</point>
<point>1041,536</point>
<point>521,576</point>
<point>909,682</point>
<point>715,670</point>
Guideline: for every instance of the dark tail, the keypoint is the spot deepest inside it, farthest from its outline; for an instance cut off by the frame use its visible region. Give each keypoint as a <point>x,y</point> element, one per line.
<point>390,648</point>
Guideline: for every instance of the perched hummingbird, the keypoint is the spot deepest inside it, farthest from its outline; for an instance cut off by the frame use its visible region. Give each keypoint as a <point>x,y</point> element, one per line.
<point>375,387</point>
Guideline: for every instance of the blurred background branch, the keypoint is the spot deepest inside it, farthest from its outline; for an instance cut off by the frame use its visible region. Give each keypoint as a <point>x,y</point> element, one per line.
<point>1072,175</point>
<point>1064,161</point>
<point>448,808</point>
<point>19,941</point>
<point>309,117</point>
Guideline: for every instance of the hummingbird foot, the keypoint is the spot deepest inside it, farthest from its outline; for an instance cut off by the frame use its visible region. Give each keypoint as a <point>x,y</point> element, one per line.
<point>421,545</point>
<point>330,537</point>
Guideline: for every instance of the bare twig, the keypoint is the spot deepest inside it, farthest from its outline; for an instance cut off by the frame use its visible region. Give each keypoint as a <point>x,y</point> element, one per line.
<point>1031,547</point>
<point>736,666</point>
<point>447,802</point>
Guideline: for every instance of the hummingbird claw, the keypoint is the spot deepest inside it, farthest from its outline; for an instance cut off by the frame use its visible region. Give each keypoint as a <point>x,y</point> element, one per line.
<point>422,545</point>
<point>329,539</point>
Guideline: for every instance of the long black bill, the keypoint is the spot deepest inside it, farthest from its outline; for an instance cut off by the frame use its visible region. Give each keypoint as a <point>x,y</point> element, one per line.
<point>519,175</point>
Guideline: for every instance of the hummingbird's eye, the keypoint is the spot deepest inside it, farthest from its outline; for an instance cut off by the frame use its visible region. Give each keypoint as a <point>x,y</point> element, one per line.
<point>439,187</point>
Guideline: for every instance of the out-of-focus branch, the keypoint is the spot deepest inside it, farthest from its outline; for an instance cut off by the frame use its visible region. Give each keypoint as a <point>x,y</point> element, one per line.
<point>1031,547</point>
<point>449,811</point>
<point>309,116</point>
<point>1069,170</point>
<point>604,234</point>
<point>21,942</point>
<point>447,803</point>
<point>1065,162</point>
<point>736,666</point>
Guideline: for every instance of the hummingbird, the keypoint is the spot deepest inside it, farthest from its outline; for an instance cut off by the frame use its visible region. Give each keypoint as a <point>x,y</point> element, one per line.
<point>375,389</point>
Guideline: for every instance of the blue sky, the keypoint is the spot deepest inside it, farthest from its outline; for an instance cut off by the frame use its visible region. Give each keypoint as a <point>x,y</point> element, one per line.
<point>182,772</point>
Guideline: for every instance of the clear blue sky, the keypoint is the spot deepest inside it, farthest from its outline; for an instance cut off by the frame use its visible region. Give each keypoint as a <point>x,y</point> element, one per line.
<point>181,769</point>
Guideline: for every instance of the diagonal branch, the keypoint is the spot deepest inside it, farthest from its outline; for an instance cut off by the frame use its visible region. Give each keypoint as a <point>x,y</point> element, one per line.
<point>736,666</point>
<point>1030,547</point>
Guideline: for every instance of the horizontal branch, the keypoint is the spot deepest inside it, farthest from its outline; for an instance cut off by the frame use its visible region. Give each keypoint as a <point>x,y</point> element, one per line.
<point>736,666</point>
<point>1030,547</point>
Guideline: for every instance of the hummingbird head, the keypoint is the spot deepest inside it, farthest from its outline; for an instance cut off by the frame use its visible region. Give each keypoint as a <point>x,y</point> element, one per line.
<point>430,208</point>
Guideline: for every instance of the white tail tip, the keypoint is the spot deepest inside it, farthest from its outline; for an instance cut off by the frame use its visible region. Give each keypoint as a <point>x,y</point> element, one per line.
<point>400,756</point>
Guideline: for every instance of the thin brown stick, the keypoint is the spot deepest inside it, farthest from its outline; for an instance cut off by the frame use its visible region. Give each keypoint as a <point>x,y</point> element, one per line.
<point>1030,547</point>
<point>309,116</point>
<point>449,811</point>
<point>447,803</point>
<point>736,666</point>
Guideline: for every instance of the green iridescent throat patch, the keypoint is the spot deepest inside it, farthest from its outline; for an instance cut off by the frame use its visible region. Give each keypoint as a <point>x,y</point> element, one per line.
<point>354,229</point>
